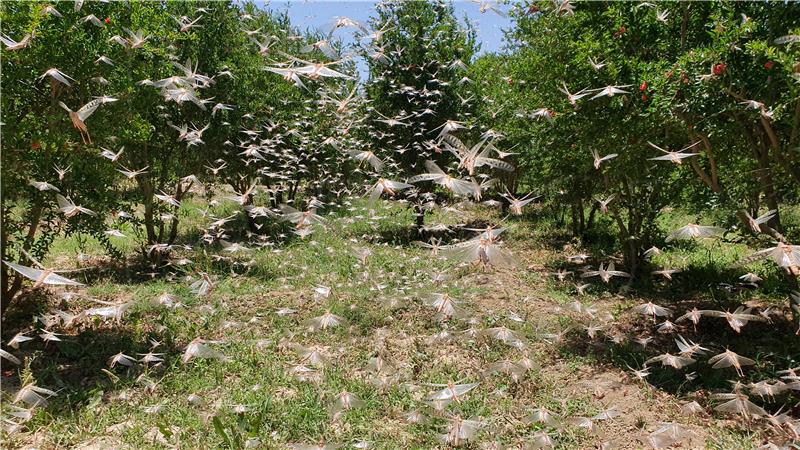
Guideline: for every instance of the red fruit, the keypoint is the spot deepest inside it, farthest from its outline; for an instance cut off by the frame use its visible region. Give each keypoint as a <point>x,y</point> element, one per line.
<point>719,69</point>
<point>35,146</point>
<point>108,21</point>
<point>643,86</point>
<point>644,97</point>
<point>769,64</point>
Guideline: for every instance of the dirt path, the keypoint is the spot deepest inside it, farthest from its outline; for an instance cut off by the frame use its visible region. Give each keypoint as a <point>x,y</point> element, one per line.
<point>568,379</point>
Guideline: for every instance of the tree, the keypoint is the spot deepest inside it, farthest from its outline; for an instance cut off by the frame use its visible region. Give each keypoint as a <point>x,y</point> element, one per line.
<point>39,136</point>
<point>676,84</point>
<point>417,60</point>
<point>175,89</point>
<point>733,89</point>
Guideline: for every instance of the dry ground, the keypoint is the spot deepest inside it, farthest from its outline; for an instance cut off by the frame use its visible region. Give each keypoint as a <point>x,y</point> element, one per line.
<point>253,396</point>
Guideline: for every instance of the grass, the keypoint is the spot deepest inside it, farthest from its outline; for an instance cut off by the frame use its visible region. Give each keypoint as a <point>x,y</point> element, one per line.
<point>253,397</point>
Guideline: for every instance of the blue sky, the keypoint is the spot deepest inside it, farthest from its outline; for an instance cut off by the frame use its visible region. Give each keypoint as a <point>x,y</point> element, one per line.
<point>317,14</point>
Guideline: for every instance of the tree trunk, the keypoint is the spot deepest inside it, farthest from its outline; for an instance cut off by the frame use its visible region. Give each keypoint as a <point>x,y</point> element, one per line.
<point>634,243</point>
<point>767,185</point>
<point>419,211</point>
<point>562,212</point>
<point>629,252</point>
<point>11,285</point>
<point>248,200</point>
<point>146,187</point>
<point>761,153</point>
<point>574,213</point>
<point>11,282</point>
<point>180,192</point>
<point>592,213</point>
<point>632,259</point>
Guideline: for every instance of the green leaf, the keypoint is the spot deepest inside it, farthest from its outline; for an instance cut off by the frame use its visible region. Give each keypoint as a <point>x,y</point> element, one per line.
<point>220,430</point>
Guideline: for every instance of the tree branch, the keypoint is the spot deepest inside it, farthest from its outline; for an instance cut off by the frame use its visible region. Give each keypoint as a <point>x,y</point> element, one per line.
<point>711,181</point>
<point>774,142</point>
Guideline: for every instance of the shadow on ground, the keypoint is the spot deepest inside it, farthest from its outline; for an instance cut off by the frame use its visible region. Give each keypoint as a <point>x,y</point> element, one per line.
<point>772,345</point>
<point>77,367</point>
